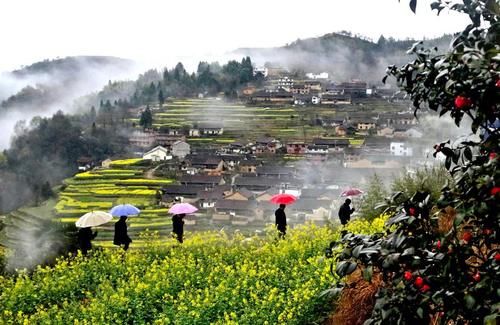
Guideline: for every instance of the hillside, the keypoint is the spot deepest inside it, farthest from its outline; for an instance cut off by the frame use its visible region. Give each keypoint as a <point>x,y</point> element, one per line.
<point>343,55</point>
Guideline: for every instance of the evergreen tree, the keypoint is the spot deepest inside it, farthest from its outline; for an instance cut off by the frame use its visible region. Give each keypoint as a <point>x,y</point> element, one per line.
<point>146,120</point>
<point>93,114</point>
<point>161,98</point>
<point>374,196</point>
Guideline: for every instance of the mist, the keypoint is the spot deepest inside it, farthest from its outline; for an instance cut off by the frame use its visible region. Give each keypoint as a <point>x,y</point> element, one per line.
<point>49,86</point>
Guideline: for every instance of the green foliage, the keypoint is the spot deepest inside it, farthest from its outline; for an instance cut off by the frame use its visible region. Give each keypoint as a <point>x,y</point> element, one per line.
<point>440,260</point>
<point>146,120</point>
<point>430,180</point>
<point>376,193</point>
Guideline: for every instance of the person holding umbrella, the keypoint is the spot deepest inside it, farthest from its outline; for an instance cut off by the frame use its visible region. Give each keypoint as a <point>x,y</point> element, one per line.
<point>85,223</point>
<point>85,237</point>
<point>178,226</point>
<point>179,211</point>
<point>282,200</point>
<point>281,220</point>
<point>345,212</point>
<point>121,234</point>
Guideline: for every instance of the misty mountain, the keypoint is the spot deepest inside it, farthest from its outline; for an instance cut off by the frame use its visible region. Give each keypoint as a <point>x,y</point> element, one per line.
<point>50,80</point>
<point>343,55</point>
<point>45,87</point>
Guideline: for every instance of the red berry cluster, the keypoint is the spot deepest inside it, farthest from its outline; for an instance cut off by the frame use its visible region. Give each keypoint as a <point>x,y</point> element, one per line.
<point>462,102</point>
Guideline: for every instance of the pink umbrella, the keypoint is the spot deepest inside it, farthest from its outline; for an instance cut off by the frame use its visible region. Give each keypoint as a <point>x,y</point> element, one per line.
<point>182,208</point>
<point>351,192</point>
<point>283,199</point>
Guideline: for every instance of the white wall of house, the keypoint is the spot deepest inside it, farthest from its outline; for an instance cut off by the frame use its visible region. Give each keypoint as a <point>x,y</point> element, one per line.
<point>322,75</point>
<point>400,149</point>
<point>157,154</point>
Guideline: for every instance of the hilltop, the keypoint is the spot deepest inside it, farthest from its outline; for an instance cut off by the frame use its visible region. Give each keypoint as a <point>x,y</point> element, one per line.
<point>344,55</point>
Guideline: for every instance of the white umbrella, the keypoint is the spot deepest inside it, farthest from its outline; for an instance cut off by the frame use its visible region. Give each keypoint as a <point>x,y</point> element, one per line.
<point>93,219</point>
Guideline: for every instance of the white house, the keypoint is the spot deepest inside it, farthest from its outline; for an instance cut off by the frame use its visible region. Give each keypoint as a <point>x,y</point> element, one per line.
<point>262,70</point>
<point>285,83</point>
<point>316,100</point>
<point>180,149</point>
<point>400,149</point>
<point>414,133</point>
<point>158,153</point>
<point>322,75</point>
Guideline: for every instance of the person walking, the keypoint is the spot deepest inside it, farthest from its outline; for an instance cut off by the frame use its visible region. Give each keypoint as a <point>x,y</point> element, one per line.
<point>121,235</point>
<point>178,226</point>
<point>281,220</point>
<point>85,237</point>
<point>345,212</point>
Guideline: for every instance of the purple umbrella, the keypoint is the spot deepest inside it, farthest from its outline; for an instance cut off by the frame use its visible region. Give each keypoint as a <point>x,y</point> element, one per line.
<point>351,192</point>
<point>182,208</point>
<point>124,210</point>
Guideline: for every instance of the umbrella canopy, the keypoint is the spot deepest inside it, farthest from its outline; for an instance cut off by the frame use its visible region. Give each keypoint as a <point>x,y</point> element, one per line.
<point>351,192</point>
<point>182,208</point>
<point>93,219</point>
<point>283,199</point>
<point>124,210</point>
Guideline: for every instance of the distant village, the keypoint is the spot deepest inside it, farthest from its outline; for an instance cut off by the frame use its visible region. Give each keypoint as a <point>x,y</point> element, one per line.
<point>232,183</point>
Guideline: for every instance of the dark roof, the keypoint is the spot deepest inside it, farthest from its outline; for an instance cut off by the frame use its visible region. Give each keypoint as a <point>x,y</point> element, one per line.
<point>374,142</point>
<point>182,189</point>
<point>331,142</point>
<point>310,204</point>
<point>265,140</point>
<point>216,193</point>
<point>245,192</point>
<point>235,205</point>
<point>275,170</point>
<point>314,193</point>
<point>256,181</point>
<point>200,179</point>
<point>317,147</point>
<point>204,160</point>
<point>249,162</point>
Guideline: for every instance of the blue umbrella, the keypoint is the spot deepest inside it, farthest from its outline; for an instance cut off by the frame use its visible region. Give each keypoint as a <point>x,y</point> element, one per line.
<point>124,210</point>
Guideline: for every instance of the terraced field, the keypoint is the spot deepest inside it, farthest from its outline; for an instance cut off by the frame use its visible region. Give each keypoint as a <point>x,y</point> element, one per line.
<point>251,122</point>
<point>101,189</point>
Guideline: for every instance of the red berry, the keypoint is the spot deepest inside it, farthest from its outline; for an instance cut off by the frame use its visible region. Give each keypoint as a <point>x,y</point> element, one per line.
<point>498,83</point>
<point>462,102</point>
<point>467,236</point>
<point>493,155</point>
<point>419,282</point>
<point>438,244</point>
<point>497,257</point>
<point>412,211</point>
<point>408,276</point>
<point>494,191</point>
<point>425,288</point>
<point>477,277</point>
<point>487,231</point>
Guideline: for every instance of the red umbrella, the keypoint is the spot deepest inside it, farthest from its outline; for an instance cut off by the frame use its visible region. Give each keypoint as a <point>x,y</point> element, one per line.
<point>283,199</point>
<point>351,192</point>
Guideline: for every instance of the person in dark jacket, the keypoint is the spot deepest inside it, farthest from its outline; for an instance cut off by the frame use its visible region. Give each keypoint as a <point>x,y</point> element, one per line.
<point>281,220</point>
<point>85,236</point>
<point>345,212</point>
<point>121,236</point>
<point>178,226</point>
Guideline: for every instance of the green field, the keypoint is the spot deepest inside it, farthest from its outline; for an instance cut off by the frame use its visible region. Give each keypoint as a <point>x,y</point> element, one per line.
<point>101,189</point>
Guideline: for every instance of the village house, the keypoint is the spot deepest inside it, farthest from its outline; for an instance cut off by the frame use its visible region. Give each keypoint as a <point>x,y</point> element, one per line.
<point>206,163</point>
<point>364,125</point>
<point>414,133</point>
<point>194,132</point>
<point>398,119</point>
<point>375,161</point>
<point>241,195</point>
<point>387,132</point>
<point>260,70</point>
<point>149,139</point>
<point>316,100</point>
<point>313,85</point>
<point>334,145</point>
<point>248,90</point>
<point>236,208</point>
<point>173,193</point>
<point>180,149</point>
<point>158,153</point>
<point>248,166</point>
<point>300,89</point>
<point>273,97</point>
<point>302,99</point>
<point>285,83</point>
<point>296,148</point>
<point>401,149</point>
<point>332,99</point>
<point>276,171</point>
<point>208,198</point>
<point>355,88</point>
<point>202,180</point>
<point>267,195</point>
<point>257,184</point>
<point>266,145</point>
<point>313,149</point>
<point>210,130</point>
<point>321,75</point>
<point>85,163</point>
